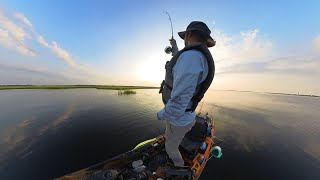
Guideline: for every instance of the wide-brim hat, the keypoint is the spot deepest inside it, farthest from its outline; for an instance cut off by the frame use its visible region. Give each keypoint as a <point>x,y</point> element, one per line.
<point>201,28</point>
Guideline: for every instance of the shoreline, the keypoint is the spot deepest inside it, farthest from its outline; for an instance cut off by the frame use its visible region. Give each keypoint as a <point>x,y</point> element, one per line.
<point>108,87</point>
<point>276,93</point>
<point>114,87</point>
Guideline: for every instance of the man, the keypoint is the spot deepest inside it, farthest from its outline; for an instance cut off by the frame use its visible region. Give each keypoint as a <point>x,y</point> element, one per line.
<point>188,76</point>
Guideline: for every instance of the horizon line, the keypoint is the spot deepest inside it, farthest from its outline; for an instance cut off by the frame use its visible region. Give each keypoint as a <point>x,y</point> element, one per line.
<point>266,92</point>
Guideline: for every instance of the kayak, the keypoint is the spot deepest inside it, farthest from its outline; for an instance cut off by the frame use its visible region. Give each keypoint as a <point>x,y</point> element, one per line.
<point>149,160</point>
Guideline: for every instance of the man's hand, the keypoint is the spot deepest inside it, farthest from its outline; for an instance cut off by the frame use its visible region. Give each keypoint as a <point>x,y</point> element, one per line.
<point>173,42</point>
<point>158,116</point>
<point>174,46</point>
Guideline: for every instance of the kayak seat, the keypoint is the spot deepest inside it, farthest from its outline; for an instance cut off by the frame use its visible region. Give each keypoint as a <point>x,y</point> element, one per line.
<point>194,138</point>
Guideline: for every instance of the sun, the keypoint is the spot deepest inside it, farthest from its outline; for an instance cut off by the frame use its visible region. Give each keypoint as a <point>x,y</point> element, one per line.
<point>151,71</point>
<point>151,66</point>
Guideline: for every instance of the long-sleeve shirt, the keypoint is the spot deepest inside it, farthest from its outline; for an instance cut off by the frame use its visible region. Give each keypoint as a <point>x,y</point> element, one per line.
<point>189,71</point>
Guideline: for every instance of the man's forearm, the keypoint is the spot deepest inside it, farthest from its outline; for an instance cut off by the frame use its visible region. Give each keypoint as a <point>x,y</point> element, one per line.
<point>174,109</point>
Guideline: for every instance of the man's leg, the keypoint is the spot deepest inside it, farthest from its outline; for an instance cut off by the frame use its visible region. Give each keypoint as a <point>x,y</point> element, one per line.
<point>174,136</point>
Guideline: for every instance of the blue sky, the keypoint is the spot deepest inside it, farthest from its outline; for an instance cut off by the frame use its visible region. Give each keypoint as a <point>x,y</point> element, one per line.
<point>261,46</point>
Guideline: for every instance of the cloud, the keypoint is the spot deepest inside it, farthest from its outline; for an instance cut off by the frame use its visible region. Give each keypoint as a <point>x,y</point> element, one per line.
<point>28,73</point>
<point>26,67</point>
<point>16,29</point>
<point>287,64</point>
<point>248,52</point>
<point>246,61</point>
<point>243,48</point>
<point>42,41</point>
<point>253,47</point>
<point>55,48</point>
<point>63,54</point>
<point>14,36</point>
<point>296,64</point>
<point>58,51</point>
<point>316,43</point>
<point>24,19</point>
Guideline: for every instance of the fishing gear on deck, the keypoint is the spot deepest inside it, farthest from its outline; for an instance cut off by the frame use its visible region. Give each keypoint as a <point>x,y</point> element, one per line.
<point>168,49</point>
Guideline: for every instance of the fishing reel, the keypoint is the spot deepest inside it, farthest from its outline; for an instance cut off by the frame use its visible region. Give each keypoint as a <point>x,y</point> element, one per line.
<point>168,49</point>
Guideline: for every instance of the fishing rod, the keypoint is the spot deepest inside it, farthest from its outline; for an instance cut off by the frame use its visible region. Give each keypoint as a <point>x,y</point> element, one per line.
<point>168,49</point>
<point>170,23</point>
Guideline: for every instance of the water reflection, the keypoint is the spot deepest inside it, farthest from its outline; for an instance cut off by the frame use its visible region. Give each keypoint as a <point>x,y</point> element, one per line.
<point>17,141</point>
<point>266,136</point>
<point>60,120</point>
<point>260,116</point>
<point>13,138</point>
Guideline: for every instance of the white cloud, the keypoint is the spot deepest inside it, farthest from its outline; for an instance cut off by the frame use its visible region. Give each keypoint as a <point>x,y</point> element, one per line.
<point>253,47</point>
<point>246,61</point>
<point>295,64</point>
<point>42,41</point>
<point>14,36</point>
<point>16,29</point>
<point>57,50</point>
<point>246,47</point>
<point>316,43</point>
<point>63,54</point>
<point>248,52</point>
<point>24,19</point>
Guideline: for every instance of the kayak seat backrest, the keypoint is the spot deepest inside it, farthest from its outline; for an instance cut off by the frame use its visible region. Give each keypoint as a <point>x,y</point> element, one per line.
<point>194,138</point>
<point>199,130</point>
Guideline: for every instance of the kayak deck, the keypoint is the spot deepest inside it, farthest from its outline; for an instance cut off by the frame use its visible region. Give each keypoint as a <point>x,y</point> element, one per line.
<point>145,160</point>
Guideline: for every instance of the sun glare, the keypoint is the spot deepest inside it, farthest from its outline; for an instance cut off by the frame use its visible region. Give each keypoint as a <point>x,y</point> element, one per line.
<point>151,71</point>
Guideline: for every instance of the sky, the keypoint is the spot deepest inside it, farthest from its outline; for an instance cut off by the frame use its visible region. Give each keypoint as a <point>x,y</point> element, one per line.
<point>265,46</point>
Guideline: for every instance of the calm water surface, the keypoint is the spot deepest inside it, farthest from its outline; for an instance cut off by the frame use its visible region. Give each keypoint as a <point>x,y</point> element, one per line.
<point>49,133</point>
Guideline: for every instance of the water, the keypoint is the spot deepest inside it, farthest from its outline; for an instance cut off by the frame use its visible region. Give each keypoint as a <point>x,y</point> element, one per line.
<point>49,133</point>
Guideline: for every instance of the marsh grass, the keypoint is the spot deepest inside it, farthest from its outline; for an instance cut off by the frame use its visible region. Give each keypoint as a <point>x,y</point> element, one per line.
<point>126,92</point>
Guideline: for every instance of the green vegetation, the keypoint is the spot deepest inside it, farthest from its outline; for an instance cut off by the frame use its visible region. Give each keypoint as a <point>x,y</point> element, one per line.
<point>110,87</point>
<point>126,92</point>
